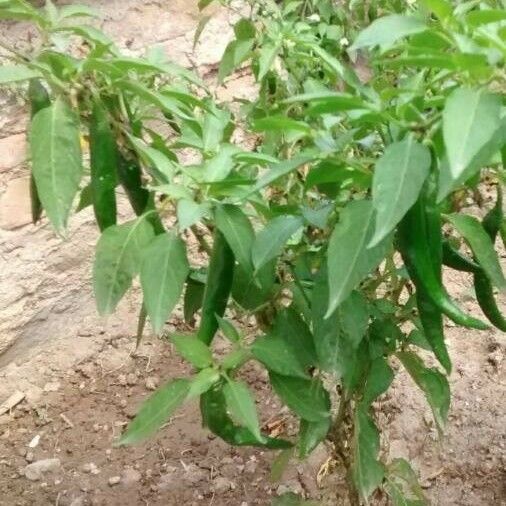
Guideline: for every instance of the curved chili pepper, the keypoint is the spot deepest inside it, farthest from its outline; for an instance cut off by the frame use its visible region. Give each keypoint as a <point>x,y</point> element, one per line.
<point>103,165</point>
<point>482,286</point>
<point>414,239</point>
<point>457,261</point>
<point>39,99</point>
<point>218,286</point>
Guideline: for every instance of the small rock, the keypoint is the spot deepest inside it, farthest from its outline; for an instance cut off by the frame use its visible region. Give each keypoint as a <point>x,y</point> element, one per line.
<point>131,379</point>
<point>122,380</point>
<point>34,442</point>
<point>35,470</point>
<point>22,452</point>
<point>123,403</point>
<point>194,474</point>
<point>222,485</point>
<point>114,480</point>
<point>78,501</point>
<point>90,468</point>
<point>250,467</point>
<point>293,486</point>
<point>152,382</point>
<point>29,457</point>
<point>52,386</point>
<point>130,476</point>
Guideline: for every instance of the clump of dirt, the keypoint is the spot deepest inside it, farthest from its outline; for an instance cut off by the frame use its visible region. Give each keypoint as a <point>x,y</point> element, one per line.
<point>79,382</point>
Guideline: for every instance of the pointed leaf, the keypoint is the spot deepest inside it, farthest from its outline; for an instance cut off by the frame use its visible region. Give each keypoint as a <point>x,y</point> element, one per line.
<point>15,73</point>
<point>242,407</point>
<point>481,245</point>
<point>387,30</point>
<point>56,160</point>
<point>433,384</point>
<point>398,179</point>
<point>312,434</point>
<point>379,378</point>
<point>367,471</point>
<point>238,232</point>
<point>118,260</point>
<point>203,382</point>
<point>156,411</point>
<point>307,398</point>
<point>271,240</point>
<point>471,119</point>
<point>163,273</point>
<point>193,350</point>
<point>189,213</point>
<point>349,259</point>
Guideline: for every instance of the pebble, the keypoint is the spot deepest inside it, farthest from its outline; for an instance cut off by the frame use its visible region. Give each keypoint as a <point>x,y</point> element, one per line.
<point>152,382</point>
<point>222,485</point>
<point>122,380</point>
<point>130,476</point>
<point>29,457</point>
<point>35,470</point>
<point>131,379</point>
<point>114,480</point>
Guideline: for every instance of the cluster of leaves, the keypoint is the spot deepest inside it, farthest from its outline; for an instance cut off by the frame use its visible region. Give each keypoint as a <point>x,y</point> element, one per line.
<point>333,232</point>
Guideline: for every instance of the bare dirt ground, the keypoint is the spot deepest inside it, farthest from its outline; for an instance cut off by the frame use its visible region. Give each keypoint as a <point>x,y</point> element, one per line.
<point>81,383</point>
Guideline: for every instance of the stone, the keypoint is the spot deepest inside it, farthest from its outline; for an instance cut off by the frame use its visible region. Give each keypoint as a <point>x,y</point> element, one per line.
<point>222,485</point>
<point>152,382</point>
<point>114,480</point>
<point>130,476</point>
<point>13,149</point>
<point>36,470</point>
<point>15,207</point>
<point>131,379</point>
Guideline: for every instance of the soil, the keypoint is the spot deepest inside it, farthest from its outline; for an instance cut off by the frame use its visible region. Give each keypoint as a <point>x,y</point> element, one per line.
<point>80,379</point>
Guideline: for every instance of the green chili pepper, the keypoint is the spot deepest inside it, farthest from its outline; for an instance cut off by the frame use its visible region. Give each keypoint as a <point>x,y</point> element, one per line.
<point>103,164</point>
<point>414,239</point>
<point>130,177</point>
<point>216,419</point>
<point>39,99</point>
<point>141,200</point>
<point>218,286</point>
<point>483,287</point>
<point>457,261</point>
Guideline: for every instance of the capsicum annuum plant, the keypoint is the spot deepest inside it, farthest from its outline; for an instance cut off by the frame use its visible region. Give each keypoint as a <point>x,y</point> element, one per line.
<point>376,125</point>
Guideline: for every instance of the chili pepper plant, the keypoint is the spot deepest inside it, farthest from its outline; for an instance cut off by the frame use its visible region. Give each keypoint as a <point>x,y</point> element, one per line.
<point>376,126</point>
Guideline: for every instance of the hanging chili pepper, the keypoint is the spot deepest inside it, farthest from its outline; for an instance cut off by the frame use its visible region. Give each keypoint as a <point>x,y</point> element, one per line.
<point>103,164</point>
<point>39,99</point>
<point>218,286</point>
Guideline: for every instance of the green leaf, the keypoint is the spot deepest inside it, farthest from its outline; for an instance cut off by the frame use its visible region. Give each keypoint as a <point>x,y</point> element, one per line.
<point>402,485</point>
<point>328,101</point>
<point>56,160</point>
<point>307,398</point>
<point>349,259</point>
<point>228,330</point>
<point>238,232</point>
<point>280,124</point>
<point>486,16</point>
<point>268,53</point>
<point>193,350</point>
<point>219,167</point>
<point>367,472</point>
<point>156,411</point>
<point>163,273</point>
<point>281,169</point>
<point>441,8</point>
<point>399,176</point>
<point>471,120</point>
<point>251,292</point>
<point>203,382</point>
<point>118,260</point>
<point>353,315</point>
<point>15,73</point>
<point>70,11</point>
<point>200,28</point>
<point>312,434</point>
<point>270,241</point>
<point>433,384</point>
<point>241,406</point>
<point>387,30</point>
<point>162,167</point>
<point>379,378</point>
<point>189,213</point>
<point>244,29</point>
<point>193,298</point>
<point>481,245</point>
<point>235,53</point>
